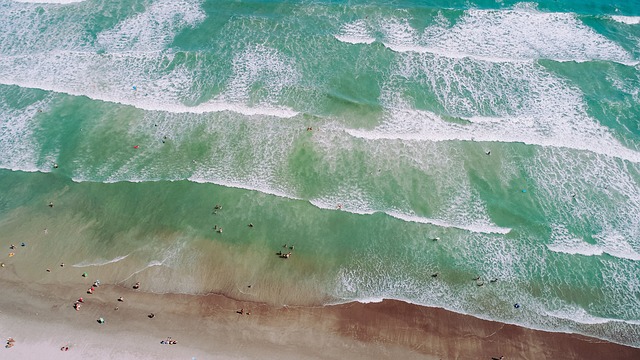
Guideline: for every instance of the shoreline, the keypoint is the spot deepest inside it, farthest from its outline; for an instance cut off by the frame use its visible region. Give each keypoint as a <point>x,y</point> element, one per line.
<point>41,319</point>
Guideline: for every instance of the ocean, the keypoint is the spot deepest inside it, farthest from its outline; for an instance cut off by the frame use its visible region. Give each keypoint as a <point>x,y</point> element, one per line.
<point>469,155</point>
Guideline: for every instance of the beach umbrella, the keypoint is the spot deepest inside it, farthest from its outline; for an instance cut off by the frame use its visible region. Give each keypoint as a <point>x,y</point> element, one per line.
<point>101,321</point>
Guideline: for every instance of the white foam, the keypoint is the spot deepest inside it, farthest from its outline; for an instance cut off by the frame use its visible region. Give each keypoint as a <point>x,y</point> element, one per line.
<point>136,56</point>
<point>100,262</point>
<point>508,102</point>
<point>631,20</point>
<point>148,266</point>
<point>477,227</point>
<point>262,65</point>
<point>507,35</point>
<point>245,186</point>
<point>581,316</point>
<point>346,197</point>
<point>582,193</point>
<point>355,33</point>
<point>153,29</point>
<point>125,96</point>
<point>19,149</point>
<point>49,1</point>
<point>565,243</point>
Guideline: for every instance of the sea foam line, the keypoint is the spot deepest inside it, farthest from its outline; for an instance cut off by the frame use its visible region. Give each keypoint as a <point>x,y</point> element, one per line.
<point>621,153</point>
<point>630,20</point>
<point>149,265</point>
<point>209,107</point>
<point>100,263</point>
<point>593,250</point>
<point>59,2</point>
<point>476,228</point>
<point>409,48</point>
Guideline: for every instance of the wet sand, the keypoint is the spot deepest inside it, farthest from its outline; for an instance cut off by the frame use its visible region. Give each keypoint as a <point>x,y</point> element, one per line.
<point>41,318</point>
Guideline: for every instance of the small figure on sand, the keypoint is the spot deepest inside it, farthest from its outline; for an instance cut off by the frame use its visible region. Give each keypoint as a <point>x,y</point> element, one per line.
<point>286,256</point>
<point>61,264</point>
<point>51,204</point>
<point>90,291</point>
<point>219,231</point>
<point>76,305</point>
<point>434,275</point>
<point>151,315</point>
<point>137,285</point>
<point>121,299</point>
<point>217,207</point>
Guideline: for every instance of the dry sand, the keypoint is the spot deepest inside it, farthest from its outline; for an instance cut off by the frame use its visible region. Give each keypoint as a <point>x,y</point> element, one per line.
<point>41,319</point>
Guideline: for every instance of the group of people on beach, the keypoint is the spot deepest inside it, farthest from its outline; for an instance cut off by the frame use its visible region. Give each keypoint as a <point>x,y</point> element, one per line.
<point>168,341</point>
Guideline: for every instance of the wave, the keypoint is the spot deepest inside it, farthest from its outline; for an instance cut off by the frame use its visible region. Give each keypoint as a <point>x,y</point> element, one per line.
<point>149,265</point>
<point>100,262</point>
<point>476,228</point>
<point>513,35</point>
<point>405,48</point>
<point>62,2</point>
<point>617,151</point>
<point>545,320</point>
<point>587,249</point>
<point>160,105</point>
<point>355,33</point>
<point>630,20</point>
<point>364,210</point>
<point>612,244</point>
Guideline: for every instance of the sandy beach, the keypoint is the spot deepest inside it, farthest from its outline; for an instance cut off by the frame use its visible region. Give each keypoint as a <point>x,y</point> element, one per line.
<point>41,319</point>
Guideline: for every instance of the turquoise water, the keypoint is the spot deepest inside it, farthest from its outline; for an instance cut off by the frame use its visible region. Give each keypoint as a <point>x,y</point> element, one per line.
<point>356,131</point>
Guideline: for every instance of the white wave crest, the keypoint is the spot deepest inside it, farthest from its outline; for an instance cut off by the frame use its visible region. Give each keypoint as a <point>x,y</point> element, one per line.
<point>521,34</point>
<point>153,29</point>
<point>475,227</point>
<point>62,2</point>
<point>630,20</point>
<point>611,244</point>
<point>355,33</point>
